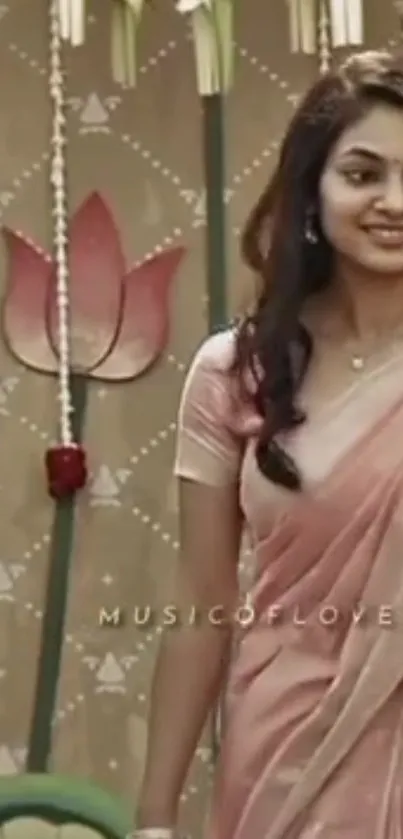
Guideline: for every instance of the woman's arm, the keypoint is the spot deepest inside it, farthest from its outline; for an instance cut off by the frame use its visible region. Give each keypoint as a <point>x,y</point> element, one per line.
<point>192,660</point>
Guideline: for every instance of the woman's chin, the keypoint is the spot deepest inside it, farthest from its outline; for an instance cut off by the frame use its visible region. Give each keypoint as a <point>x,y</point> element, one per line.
<point>384,262</point>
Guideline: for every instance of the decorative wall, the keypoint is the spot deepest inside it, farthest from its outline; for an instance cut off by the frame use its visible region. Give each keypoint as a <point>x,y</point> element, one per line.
<point>141,151</point>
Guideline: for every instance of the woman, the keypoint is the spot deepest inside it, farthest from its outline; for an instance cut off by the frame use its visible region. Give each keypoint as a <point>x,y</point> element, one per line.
<point>292,426</point>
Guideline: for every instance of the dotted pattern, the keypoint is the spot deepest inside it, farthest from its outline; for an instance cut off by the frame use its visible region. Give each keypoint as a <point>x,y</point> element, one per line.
<point>155,163</point>
<point>32,62</point>
<point>179,365</point>
<point>7,196</point>
<point>95,663</point>
<point>34,428</point>
<point>155,526</point>
<point>73,703</point>
<point>155,60</point>
<point>153,443</point>
<point>37,546</point>
<point>11,415</point>
<point>284,87</point>
<point>8,384</point>
<point>29,555</point>
<point>256,163</point>
<point>167,242</point>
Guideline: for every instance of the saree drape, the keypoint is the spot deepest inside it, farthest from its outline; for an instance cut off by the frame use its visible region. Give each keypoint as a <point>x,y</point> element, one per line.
<point>312,742</point>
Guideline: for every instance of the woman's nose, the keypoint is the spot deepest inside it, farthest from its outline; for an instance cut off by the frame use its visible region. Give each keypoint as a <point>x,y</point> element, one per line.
<point>391,200</point>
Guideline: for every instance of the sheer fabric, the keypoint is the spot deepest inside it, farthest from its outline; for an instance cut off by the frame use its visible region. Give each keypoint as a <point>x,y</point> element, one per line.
<point>312,745</point>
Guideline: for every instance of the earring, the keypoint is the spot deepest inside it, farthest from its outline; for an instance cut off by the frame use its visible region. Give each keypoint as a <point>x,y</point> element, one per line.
<point>310,233</point>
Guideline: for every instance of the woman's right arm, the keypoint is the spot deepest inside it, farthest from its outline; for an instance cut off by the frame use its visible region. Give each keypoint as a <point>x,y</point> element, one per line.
<point>192,659</point>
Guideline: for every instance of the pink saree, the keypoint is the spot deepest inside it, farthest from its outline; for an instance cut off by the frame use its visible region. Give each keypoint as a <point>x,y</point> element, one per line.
<point>312,743</point>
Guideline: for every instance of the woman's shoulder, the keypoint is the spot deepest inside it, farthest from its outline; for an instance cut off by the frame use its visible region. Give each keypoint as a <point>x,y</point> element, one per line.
<point>217,352</point>
<point>212,388</point>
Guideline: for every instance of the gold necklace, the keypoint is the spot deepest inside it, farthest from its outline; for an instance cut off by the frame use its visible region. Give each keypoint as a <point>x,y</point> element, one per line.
<point>359,360</point>
<point>357,363</point>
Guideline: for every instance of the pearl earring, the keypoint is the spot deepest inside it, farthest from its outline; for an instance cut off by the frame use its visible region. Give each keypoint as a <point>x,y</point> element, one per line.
<point>310,233</point>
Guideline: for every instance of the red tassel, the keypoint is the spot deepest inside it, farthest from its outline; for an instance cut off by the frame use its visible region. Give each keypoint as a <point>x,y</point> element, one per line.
<point>66,470</point>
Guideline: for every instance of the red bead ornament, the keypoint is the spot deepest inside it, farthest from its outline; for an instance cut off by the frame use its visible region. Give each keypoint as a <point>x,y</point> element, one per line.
<point>66,469</point>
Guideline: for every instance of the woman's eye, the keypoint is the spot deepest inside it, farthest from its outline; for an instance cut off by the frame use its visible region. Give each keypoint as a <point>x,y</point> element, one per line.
<point>360,177</point>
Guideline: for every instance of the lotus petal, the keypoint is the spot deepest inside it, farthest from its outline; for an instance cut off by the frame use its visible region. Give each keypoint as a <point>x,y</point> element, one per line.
<point>24,307</point>
<point>95,288</point>
<point>143,334</point>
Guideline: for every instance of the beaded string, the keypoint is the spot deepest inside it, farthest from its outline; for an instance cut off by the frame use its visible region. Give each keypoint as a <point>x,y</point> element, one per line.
<point>324,46</point>
<point>60,223</point>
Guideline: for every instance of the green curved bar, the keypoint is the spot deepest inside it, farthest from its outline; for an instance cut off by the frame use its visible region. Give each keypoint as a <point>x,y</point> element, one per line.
<point>59,799</point>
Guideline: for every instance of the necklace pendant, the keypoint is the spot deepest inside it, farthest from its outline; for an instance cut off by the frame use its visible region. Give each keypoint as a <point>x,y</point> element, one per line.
<point>357,363</point>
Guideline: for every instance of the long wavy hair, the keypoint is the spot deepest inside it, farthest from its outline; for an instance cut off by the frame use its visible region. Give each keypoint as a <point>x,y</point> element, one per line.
<point>292,264</point>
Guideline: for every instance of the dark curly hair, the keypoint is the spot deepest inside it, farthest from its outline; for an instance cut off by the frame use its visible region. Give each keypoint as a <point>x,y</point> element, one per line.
<point>272,338</point>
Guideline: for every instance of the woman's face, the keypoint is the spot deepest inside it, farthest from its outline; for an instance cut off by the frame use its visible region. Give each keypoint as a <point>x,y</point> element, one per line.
<point>361,193</point>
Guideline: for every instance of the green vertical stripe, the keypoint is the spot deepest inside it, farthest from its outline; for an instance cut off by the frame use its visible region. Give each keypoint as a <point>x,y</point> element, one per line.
<point>60,554</point>
<point>216,251</point>
<point>214,174</point>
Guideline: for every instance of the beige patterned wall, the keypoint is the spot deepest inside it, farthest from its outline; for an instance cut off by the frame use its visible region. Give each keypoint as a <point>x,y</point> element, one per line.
<point>141,150</point>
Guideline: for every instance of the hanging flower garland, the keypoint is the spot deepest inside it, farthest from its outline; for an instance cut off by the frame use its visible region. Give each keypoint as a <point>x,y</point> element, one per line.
<point>324,44</point>
<point>345,21</point>
<point>126,18</point>
<point>65,462</point>
<point>398,5</point>
<point>71,20</point>
<point>302,21</point>
<point>212,23</point>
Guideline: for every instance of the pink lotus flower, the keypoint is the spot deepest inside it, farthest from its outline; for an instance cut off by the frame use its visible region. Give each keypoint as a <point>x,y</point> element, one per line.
<point>119,318</point>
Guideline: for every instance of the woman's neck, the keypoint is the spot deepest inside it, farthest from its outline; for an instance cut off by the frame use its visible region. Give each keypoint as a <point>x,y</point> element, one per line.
<point>362,307</point>
<point>373,305</point>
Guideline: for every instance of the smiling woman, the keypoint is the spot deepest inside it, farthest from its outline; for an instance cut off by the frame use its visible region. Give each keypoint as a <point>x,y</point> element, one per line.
<point>361,192</point>
<point>291,424</point>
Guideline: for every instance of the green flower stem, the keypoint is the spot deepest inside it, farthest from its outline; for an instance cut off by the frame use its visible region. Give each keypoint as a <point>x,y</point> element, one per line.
<point>61,546</point>
<point>214,173</point>
<point>216,252</point>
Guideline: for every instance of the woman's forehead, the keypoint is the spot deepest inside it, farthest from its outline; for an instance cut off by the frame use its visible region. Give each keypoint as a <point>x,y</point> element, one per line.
<point>379,133</point>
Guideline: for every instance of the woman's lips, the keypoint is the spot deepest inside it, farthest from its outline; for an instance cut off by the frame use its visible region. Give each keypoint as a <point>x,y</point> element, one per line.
<point>385,235</point>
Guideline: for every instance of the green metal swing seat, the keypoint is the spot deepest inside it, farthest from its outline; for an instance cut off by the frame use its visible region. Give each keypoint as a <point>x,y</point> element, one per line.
<point>47,806</point>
